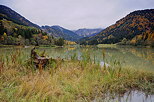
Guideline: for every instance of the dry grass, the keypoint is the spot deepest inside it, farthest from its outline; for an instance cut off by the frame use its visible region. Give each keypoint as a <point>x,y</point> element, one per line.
<point>73,80</point>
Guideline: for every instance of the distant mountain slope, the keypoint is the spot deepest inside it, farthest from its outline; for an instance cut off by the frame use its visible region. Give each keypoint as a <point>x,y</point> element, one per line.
<point>58,31</point>
<point>88,32</point>
<point>11,15</point>
<point>136,28</point>
<point>16,30</point>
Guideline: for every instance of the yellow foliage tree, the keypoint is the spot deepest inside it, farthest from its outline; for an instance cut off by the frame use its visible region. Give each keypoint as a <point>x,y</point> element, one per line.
<point>45,37</point>
<point>5,35</point>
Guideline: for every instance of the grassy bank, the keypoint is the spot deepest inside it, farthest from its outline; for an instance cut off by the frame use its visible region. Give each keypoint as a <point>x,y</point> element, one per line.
<point>106,45</point>
<point>67,81</point>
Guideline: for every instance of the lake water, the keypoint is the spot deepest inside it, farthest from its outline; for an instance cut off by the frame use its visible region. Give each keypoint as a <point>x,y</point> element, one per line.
<point>132,96</point>
<point>131,57</point>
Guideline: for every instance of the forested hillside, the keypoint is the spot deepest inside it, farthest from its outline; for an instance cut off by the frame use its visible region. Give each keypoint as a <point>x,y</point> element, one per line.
<point>14,34</point>
<point>58,31</point>
<point>11,15</point>
<point>17,30</point>
<point>137,28</point>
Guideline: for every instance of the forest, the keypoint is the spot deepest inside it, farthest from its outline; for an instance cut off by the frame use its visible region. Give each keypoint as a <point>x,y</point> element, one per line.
<point>14,34</point>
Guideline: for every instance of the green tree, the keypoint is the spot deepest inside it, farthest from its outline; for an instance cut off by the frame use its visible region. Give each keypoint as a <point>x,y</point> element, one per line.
<point>27,42</point>
<point>10,40</point>
<point>60,42</point>
<point>21,40</point>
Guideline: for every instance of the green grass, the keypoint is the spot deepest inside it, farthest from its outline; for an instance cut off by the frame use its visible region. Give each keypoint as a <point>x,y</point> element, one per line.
<point>106,45</point>
<point>68,81</point>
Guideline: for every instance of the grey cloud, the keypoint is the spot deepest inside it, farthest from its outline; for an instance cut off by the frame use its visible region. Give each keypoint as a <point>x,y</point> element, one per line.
<point>74,14</point>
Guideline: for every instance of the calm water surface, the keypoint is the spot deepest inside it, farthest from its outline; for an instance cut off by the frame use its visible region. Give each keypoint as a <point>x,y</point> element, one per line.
<point>131,57</point>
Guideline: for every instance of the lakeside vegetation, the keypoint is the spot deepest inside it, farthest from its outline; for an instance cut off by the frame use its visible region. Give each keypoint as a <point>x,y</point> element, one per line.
<point>20,35</point>
<point>77,75</point>
<point>120,45</point>
<point>106,45</point>
<point>66,80</point>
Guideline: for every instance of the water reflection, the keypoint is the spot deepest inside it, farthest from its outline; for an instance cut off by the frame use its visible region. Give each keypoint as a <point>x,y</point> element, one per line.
<point>133,96</point>
<point>136,96</point>
<point>131,57</point>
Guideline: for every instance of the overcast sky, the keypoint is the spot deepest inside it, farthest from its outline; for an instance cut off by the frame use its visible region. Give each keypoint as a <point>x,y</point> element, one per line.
<point>75,14</point>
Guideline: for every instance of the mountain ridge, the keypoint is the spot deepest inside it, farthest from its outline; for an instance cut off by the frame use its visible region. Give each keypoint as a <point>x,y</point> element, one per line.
<point>136,28</point>
<point>11,15</point>
<point>85,32</point>
<point>58,31</point>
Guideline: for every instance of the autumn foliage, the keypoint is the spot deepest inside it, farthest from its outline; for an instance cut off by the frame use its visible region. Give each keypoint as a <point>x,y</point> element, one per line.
<point>137,28</point>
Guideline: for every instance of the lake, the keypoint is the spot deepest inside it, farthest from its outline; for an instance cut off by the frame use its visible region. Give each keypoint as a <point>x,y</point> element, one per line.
<point>123,56</point>
<point>127,56</point>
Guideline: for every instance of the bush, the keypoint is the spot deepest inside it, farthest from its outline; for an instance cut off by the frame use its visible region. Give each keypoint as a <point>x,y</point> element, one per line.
<point>59,42</point>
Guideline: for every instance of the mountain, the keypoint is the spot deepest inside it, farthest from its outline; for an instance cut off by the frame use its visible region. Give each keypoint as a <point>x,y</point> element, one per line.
<point>58,31</point>
<point>87,32</point>
<point>11,15</point>
<point>16,30</point>
<point>136,28</point>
